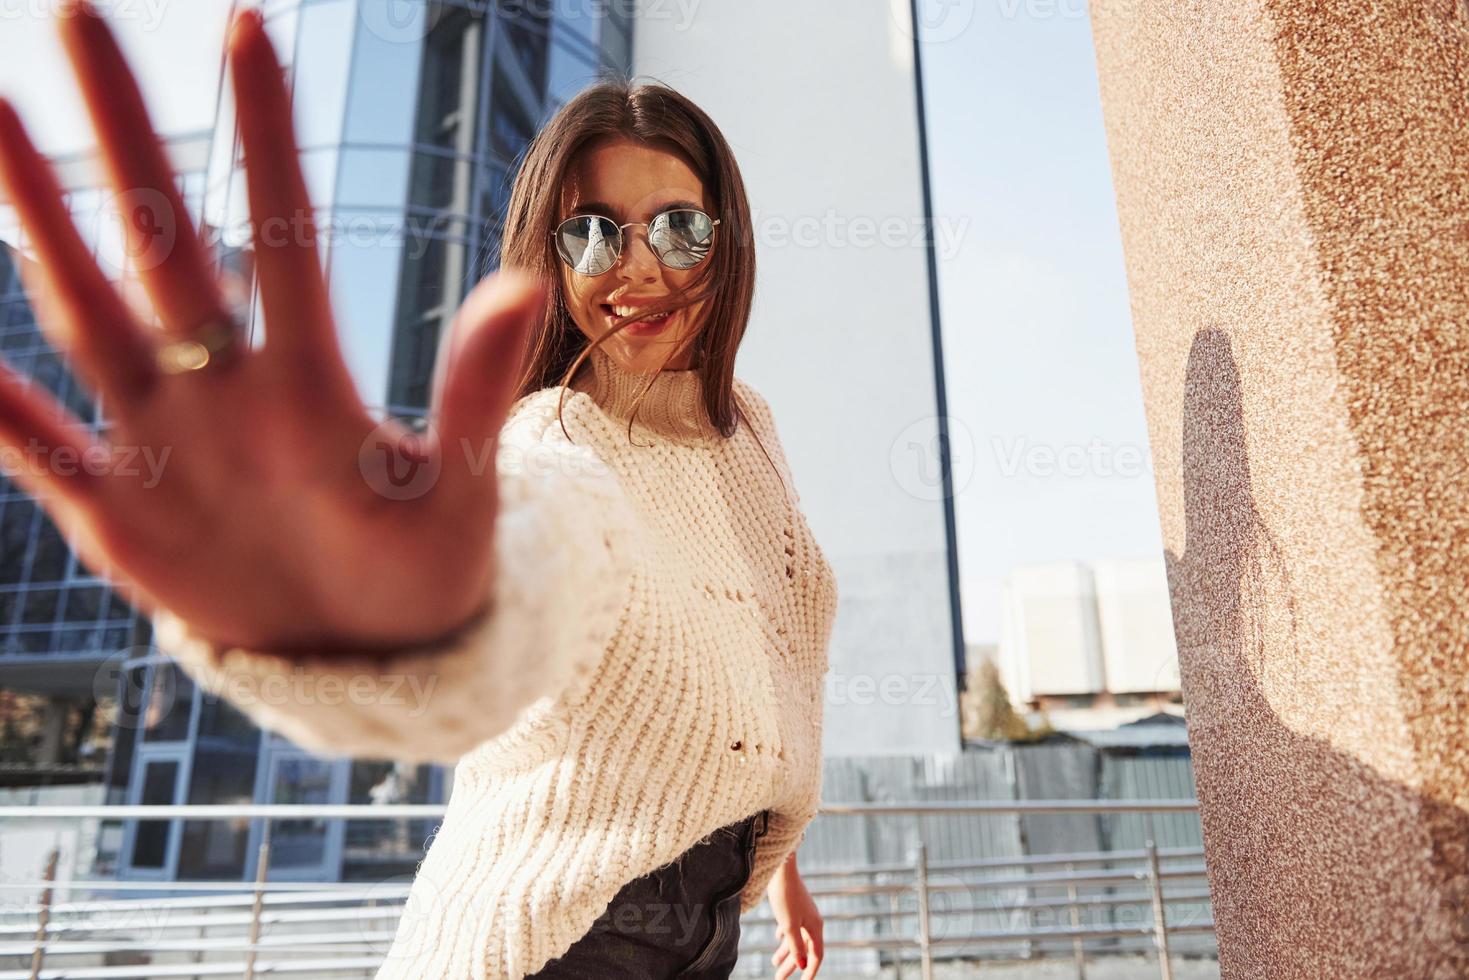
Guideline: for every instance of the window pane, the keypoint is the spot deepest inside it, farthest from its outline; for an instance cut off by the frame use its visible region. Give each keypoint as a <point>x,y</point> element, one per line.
<point>321,66</point>
<point>38,606</point>
<point>15,537</point>
<point>299,843</point>
<point>373,178</point>
<point>567,73</point>
<point>225,756</point>
<point>364,282</point>
<point>170,701</point>
<point>150,848</point>
<point>385,71</point>
<point>48,562</point>
<point>579,21</point>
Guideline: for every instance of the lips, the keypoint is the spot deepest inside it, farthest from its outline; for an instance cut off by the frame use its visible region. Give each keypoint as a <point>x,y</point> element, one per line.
<point>629,303</point>
<point>638,326</point>
<point>611,314</point>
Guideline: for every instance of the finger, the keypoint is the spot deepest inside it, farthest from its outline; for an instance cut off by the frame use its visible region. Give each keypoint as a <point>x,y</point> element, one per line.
<point>808,958</point>
<point>82,315</point>
<point>780,954</point>
<point>44,447</point>
<point>811,961</point>
<point>167,253</point>
<point>300,336</point>
<point>785,970</point>
<point>476,371</point>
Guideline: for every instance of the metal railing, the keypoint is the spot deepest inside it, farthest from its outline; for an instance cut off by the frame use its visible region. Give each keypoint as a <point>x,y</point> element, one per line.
<point>308,920</point>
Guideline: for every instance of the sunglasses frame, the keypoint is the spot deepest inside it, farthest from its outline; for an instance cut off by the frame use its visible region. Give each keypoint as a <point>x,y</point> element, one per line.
<point>622,240</point>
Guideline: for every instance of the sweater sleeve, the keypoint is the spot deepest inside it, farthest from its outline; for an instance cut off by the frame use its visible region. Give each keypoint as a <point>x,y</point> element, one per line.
<point>565,540</point>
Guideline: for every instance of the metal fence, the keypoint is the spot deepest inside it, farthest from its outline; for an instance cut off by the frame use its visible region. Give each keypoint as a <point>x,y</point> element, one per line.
<point>914,911</point>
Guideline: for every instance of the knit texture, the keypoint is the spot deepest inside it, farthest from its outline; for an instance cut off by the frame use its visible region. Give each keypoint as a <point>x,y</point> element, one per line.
<point>649,667</point>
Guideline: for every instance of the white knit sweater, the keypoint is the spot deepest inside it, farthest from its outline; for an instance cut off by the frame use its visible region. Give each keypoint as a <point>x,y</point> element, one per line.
<point>651,667</point>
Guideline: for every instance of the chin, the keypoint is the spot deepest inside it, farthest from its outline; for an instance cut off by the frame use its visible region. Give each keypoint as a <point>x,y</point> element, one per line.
<point>648,356</point>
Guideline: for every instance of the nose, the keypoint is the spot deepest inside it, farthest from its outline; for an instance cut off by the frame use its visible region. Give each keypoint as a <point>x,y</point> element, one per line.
<point>637,263</point>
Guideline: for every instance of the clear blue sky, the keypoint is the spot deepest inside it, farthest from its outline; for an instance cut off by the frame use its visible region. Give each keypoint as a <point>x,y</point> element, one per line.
<point>1037,334</point>
<point>1038,341</point>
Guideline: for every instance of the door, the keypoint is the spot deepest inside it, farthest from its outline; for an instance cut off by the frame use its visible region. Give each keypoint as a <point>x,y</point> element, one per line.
<point>150,848</point>
<point>304,849</point>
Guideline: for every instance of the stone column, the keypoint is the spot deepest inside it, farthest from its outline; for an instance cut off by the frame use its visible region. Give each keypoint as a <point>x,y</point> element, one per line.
<point>1292,181</point>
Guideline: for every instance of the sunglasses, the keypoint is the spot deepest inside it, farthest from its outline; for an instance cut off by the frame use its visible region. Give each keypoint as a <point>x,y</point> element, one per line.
<point>591,244</point>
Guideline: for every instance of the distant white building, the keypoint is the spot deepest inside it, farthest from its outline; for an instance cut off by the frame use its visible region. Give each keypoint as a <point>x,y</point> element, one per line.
<point>1090,642</point>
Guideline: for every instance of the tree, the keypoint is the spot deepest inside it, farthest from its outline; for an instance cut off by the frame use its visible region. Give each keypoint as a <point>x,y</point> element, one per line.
<point>987,712</point>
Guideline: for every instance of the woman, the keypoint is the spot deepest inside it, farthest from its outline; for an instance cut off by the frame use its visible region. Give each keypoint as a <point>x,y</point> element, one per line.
<point>616,633</point>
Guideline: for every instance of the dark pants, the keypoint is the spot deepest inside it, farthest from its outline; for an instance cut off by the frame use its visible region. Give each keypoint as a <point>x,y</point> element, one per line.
<point>680,920</point>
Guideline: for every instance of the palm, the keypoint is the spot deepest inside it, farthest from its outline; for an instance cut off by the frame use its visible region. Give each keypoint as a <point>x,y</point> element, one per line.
<point>281,513</point>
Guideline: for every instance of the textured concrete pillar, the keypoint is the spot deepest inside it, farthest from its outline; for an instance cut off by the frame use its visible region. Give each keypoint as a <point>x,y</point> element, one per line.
<point>1293,186</point>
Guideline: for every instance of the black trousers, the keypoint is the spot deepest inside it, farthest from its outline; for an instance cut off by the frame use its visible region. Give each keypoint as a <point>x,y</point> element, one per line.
<point>680,920</point>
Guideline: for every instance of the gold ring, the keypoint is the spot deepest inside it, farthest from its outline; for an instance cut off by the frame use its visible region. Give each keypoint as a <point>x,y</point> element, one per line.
<point>210,343</point>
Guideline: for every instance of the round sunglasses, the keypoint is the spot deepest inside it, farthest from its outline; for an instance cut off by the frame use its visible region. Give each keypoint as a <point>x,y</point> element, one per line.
<point>591,243</point>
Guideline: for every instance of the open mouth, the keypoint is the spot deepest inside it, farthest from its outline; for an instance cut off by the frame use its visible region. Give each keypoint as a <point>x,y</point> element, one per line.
<point>650,325</point>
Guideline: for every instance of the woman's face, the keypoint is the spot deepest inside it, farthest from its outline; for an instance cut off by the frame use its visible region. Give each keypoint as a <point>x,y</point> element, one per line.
<point>630,181</point>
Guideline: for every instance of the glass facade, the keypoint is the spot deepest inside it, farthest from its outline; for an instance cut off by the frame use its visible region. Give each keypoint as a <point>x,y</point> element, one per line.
<point>51,606</point>
<point>410,119</point>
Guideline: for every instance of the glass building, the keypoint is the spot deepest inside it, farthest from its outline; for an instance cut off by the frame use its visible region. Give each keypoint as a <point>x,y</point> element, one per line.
<point>411,118</point>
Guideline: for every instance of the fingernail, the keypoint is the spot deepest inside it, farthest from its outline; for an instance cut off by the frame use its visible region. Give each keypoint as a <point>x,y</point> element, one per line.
<point>244,20</point>
<point>77,8</point>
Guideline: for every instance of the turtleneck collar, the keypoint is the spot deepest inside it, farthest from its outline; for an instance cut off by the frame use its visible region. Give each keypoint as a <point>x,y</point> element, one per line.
<point>672,408</point>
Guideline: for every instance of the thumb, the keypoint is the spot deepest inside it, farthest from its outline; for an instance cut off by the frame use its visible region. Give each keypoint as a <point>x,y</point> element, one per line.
<point>479,363</point>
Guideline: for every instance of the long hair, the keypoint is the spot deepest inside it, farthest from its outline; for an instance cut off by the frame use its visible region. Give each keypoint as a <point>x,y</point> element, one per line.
<point>654,114</point>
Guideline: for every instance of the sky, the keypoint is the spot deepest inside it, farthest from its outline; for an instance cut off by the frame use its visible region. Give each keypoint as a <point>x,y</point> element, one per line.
<point>164,41</point>
<point>1045,407</point>
<point>1042,377</point>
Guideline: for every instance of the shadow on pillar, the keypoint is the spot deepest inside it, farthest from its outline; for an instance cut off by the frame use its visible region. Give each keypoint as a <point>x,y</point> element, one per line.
<point>1318,865</point>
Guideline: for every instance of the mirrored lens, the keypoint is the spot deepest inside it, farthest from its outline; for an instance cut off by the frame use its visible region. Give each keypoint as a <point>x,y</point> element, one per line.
<point>681,239</point>
<point>589,243</point>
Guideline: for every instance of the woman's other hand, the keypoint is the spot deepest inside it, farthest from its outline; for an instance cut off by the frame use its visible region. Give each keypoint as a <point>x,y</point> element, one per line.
<point>798,924</point>
<point>277,517</point>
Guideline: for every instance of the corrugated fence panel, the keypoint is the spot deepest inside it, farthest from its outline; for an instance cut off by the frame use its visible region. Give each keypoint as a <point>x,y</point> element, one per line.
<point>1056,769</point>
<point>1151,774</point>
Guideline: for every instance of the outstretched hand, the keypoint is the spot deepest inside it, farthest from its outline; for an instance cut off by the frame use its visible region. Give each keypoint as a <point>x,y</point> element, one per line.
<point>280,516</point>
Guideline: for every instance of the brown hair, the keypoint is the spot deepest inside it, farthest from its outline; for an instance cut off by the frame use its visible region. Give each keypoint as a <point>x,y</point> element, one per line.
<point>654,114</point>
